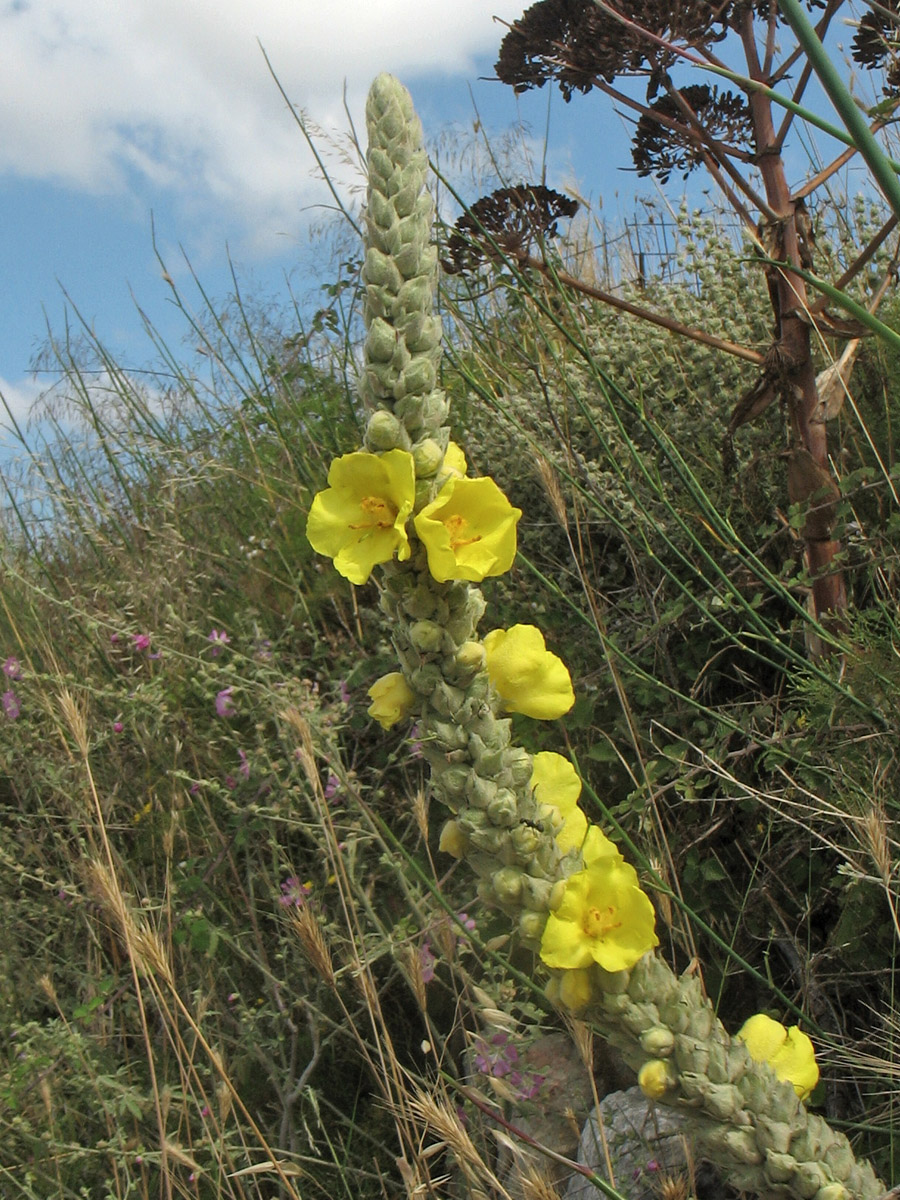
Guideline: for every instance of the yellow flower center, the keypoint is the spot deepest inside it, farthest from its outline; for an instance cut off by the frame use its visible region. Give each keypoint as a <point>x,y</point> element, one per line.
<point>598,922</point>
<point>456,525</point>
<point>380,514</point>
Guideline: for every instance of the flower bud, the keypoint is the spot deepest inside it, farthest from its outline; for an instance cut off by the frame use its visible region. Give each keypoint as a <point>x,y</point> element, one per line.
<point>531,925</point>
<point>428,456</point>
<point>426,636</point>
<point>470,657</point>
<point>453,841</point>
<point>503,810</point>
<point>507,884</point>
<point>658,1041</point>
<point>525,840</point>
<point>384,432</point>
<point>655,1078</point>
<point>575,989</point>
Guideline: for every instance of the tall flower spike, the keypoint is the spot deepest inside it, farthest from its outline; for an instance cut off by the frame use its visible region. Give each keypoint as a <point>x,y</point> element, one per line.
<point>736,1112</point>
<point>400,273</point>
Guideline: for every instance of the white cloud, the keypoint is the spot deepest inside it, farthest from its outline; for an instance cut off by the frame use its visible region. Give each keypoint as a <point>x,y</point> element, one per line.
<point>16,400</point>
<point>109,96</point>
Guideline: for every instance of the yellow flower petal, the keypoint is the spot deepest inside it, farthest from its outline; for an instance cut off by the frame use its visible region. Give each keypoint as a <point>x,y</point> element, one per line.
<point>527,676</point>
<point>360,519</point>
<point>392,699</point>
<point>788,1051</point>
<point>556,788</point>
<point>468,530</point>
<point>597,845</point>
<point>455,460</point>
<point>604,917</point>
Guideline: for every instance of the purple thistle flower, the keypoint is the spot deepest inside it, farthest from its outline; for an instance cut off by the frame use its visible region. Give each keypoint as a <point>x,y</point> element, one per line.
<point>12,668</point>
<point>224,704</point>
<point>11,706</point>
<point>118,726</point>
<point>141,641</point>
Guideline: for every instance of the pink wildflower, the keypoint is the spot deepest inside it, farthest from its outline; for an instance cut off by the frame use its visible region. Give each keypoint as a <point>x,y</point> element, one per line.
<point>141,641</point>
<point>12,668</point>
<point>332,784</point>
<point>294,892</point>
<point>118,726</point>
<point>11,706</point>
<point>344,692</point>
<point>219,639</point>
<point>244,768</point>
<point>224,704</point>
<point>426,961</point>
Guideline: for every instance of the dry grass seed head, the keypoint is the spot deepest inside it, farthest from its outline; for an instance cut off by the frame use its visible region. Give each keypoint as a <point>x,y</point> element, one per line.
<point>76,720</point>
<point>142,944</point>
<point>440,1119</point>
<point>550,481</point>
<point>313,943</point>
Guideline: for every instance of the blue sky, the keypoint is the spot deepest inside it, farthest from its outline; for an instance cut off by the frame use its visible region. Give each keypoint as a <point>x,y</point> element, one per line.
<point>113,110</point>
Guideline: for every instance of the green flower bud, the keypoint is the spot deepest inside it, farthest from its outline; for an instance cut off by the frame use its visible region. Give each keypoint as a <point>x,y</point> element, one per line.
<point>428,456</point>
<point>525,840</point>
<point>658,1041</point>
<point>531,925</point>
<point>503,809</point>
<point>381,341</point>
<point>384,432</point>
<point>507,884</point>
<point>480,792</point>
<point>537,892</point>
<point>425,679</point>
<point>426,636</point>
<point>780,1168</point>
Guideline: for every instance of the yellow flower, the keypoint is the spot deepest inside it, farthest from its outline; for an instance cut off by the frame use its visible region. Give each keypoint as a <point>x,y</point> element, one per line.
<point>529,678</point>
<point>556,788</point>
<point>359,520</point>
<point>788,1052</point>
<point>604,917</point>
<point>392,699</point>
<point>468,530</point>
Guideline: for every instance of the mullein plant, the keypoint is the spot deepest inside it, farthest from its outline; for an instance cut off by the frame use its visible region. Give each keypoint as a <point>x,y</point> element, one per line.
<point>406,506</point>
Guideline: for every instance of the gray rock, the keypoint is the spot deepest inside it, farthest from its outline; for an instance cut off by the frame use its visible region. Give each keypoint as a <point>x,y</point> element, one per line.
<point>633,1144</point>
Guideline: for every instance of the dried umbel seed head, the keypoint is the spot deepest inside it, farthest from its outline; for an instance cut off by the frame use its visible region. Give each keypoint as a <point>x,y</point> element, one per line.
<point>509,219</point>
<point>575,41</point>
<point>877,44</point>
<point>660,148</point>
